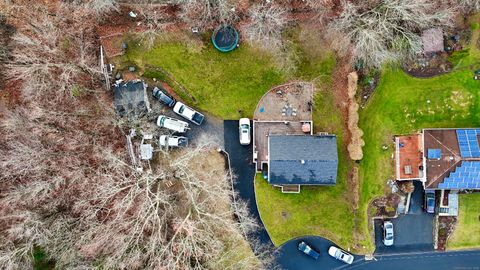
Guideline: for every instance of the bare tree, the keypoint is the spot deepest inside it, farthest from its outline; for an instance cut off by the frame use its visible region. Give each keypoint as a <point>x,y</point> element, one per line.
<point>103,6</point>
<point>205,12</point>
<point>266,24</point>
<point>156,20</point>
<point>52,52</point>
<point>66,186</point>
<point>469,6</point>
<point>385,30</point>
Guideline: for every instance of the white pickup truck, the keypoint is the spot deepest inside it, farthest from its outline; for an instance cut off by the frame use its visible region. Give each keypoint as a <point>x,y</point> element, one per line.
<point>173,141</point>
<point>188,113</point>
<point>172,124</point>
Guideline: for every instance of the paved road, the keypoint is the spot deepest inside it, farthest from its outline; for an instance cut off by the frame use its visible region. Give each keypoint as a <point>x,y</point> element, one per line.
<point>461,260</point>
<point>413,231</point>
<point>291,259</point>
<point>244,169</point>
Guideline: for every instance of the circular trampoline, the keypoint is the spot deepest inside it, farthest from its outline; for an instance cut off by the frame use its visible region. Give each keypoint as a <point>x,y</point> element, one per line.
<point>225,38</point>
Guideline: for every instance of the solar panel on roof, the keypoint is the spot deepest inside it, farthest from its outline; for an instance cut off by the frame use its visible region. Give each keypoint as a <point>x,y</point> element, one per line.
<point>468,142</point>
<point>466,176</point>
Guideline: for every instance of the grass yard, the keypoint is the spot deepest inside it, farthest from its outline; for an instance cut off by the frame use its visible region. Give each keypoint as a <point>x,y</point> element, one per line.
<point>403,104</point>
<point>467,230</point>
<point>227,85</point>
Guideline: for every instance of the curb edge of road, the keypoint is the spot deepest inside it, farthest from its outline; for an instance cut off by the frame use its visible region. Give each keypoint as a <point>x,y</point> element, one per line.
<point>427,252</point>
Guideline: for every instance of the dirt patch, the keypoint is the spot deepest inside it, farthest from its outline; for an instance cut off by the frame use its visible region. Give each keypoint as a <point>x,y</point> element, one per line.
<point>428,66</point>
<point>354,187</point>
<point>446,226</point>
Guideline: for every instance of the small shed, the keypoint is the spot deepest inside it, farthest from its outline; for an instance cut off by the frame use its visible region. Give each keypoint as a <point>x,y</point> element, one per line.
<point>130,98</point>
<point>432,40</point>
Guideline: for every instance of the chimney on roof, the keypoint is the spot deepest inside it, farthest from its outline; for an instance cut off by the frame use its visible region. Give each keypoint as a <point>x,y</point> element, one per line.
<point>302,161</point>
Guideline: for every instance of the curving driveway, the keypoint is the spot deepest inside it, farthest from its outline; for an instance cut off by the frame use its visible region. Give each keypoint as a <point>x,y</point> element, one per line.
<point>244,169</point>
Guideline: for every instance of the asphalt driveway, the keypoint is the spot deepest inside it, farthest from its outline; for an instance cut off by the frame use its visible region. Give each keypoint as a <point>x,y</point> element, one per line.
<point>413,231</point>
<point>244,169</point>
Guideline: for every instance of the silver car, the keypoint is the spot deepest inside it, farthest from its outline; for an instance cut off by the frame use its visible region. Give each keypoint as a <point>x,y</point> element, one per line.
<point>388,233</point>
<point>340,255</point>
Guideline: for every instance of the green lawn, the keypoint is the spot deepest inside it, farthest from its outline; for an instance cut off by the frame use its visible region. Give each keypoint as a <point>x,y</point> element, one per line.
<point>467,231</point>
<point>227,85</point>
<point>403,104</point>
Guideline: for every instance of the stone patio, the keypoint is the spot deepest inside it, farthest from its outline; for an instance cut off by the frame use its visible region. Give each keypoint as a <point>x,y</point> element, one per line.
<point>290,102</point>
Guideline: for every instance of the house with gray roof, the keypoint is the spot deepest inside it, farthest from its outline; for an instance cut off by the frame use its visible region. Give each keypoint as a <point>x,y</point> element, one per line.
<point>296,160</point>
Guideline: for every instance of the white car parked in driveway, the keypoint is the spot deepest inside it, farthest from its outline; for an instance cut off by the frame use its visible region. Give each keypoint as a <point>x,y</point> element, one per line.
<point>244,131</point>
<point>340,255</point>
<point>388,233</point>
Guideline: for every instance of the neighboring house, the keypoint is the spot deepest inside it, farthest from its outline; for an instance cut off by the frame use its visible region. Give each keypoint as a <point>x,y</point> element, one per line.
<point>447,160</point>
<point>296,160</point>
<point>130,98</point>
<point>432,40</point>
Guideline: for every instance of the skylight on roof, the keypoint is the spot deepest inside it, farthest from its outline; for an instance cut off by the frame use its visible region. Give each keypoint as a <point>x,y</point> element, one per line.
<point>434,153</point>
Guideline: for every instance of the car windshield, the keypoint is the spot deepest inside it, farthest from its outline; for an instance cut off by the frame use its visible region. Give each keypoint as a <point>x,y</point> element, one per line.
<point>244,126</point>
<point>389,236</point>
<point>182,108</point>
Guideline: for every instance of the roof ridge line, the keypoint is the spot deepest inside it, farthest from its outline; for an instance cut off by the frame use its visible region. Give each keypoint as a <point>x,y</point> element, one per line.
<point>451,151</point>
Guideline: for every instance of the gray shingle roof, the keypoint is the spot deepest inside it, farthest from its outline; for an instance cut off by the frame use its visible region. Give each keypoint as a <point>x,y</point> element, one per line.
<point>303,159</point>
<point>129,98</point>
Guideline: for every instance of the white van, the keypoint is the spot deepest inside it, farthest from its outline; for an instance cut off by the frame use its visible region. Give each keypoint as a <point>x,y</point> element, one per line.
<point>172,124</point>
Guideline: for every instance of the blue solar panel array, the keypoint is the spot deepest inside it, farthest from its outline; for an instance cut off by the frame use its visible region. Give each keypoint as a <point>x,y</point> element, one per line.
<point>468,142</point>
<point>434,153</point>
<point>466,176</point>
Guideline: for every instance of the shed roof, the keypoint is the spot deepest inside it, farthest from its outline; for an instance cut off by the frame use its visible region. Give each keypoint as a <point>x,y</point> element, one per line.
<point>432,40</point>
<point>130,98</point>
<point>303,159</point>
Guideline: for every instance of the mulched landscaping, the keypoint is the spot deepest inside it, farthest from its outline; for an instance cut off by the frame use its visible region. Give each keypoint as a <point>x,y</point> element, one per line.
<point>446,226</point>
<point>385,206</point>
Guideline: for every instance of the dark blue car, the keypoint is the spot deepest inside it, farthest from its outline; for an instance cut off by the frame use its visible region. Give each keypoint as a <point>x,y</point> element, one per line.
<point>303,247</point>
<point>160,95</point>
